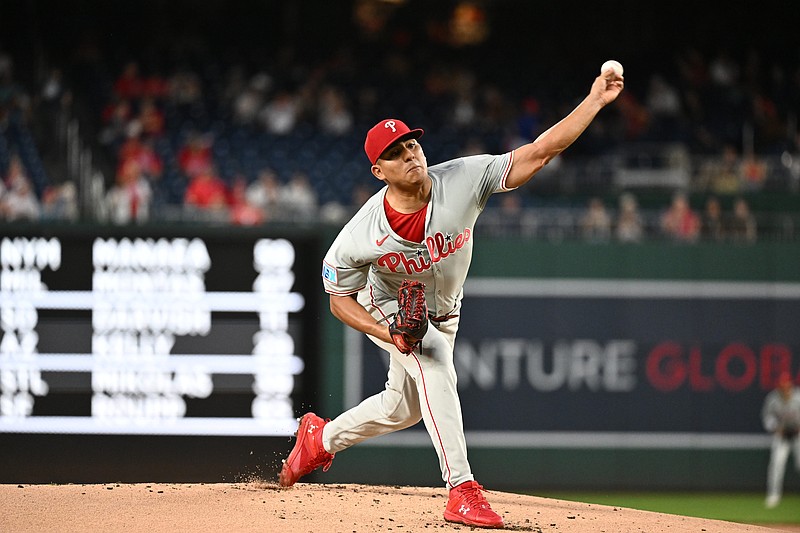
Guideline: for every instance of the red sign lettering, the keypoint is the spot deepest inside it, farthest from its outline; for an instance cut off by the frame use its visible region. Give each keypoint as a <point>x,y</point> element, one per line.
<point>665,370</point>
<point>730,354</point>
<point>735,368</point>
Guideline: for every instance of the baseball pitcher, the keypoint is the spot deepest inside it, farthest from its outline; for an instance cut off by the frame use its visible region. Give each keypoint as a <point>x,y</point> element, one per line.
<point>395,273</point>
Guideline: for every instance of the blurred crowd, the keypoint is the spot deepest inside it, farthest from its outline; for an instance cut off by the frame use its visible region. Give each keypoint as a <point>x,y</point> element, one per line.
<point>598,221</point>
<point>195,136</point>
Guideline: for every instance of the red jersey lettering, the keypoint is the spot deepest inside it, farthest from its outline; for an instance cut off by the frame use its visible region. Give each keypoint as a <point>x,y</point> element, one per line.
<point>439,246</point>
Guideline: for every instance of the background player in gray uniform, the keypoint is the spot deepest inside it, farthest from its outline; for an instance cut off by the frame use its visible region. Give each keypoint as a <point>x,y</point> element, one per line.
<point>420,226</point>
<point>780,415</point>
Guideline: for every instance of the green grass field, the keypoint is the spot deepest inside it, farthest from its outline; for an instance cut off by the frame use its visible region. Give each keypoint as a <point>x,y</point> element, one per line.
<point>734,507</point>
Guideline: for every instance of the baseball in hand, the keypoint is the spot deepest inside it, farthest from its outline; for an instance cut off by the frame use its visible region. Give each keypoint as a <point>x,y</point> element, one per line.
<point>612,64</point>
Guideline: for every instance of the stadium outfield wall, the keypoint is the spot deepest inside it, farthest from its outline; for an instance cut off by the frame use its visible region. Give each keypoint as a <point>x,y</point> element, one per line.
<point>184,353</point>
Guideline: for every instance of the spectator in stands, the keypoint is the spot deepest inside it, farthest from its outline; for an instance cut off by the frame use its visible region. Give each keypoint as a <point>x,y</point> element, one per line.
<point>115,119</point>
<point>248,102</point>
<point>155,87</point>
<point>206,191</point>
<point>128,200</point>
<point>664,106</point>
<point>595,224</point>
<point>151,119</point>
<point>509,218</point>
<point>724,105</point>
<point>185,94</point>
<point>635,116</point>
<point>464,111</point>
<point>299,198</point>
<point>60,202</point>
<point>129,84</point>
<point>335,117</point>
<point>265,193</point>
<point>713,224</point>
<point>195,156</point>
<point>753,172</point>
<point>743,227</point>
<point>52,117</point>
<point>141,151</point>
<point>52,88</point>
<point>335,212</point>
<point>529,121</point>
<point>720,175</point>
<point>280,114</point>
<point>19,201</point>
<point>770,122</point>
<point>679,222</point>
<point>629,225</point>
<point>242,211</point>
<point>723,70</point>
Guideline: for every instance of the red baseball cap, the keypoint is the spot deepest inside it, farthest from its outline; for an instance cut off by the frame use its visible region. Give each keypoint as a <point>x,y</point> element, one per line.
<point>384,134</point>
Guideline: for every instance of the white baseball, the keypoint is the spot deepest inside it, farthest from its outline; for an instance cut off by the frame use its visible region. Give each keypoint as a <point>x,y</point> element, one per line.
<point>612,64</point>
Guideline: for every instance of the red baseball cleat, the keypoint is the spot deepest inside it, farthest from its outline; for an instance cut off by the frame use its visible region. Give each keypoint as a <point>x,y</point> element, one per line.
<point>468,506</point>
<point>308,453</point>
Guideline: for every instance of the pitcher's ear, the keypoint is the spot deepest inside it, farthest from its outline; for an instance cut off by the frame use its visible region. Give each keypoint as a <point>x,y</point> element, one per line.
<point>377,172</point>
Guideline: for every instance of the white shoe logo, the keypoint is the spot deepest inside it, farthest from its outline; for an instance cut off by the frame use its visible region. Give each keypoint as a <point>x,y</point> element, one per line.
<point>463,509</point>
<point>390,124</point>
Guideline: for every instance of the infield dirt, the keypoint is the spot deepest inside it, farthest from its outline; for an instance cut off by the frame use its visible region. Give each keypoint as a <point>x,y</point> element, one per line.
<point>310,507</point>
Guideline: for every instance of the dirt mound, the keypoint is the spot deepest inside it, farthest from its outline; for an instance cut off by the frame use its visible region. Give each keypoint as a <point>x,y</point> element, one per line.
<point>306,507</point>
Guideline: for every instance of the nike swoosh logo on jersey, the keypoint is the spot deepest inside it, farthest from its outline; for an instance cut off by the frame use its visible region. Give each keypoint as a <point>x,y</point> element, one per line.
<point>380,242</point>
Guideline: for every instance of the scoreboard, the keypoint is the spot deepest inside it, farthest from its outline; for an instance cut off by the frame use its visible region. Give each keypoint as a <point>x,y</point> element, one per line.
<point>156,332</point>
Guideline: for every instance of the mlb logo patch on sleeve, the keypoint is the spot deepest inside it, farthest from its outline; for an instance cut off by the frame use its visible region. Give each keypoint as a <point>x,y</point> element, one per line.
<point>329,273</point>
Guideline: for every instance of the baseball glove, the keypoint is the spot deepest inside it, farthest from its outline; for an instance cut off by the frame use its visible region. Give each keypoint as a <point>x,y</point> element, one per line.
<point>411,320</point>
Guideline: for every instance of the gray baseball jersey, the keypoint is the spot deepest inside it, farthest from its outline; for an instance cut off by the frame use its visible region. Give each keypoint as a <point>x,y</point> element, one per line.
<point>368,254</point>
<point>369,259</point>
<point>778,413</point>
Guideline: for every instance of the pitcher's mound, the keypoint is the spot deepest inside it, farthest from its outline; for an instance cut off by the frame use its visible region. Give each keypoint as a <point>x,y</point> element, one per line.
<point>308,507</point>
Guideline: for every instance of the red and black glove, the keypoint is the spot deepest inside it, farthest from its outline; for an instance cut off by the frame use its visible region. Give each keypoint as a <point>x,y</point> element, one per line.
<point>411,320</point>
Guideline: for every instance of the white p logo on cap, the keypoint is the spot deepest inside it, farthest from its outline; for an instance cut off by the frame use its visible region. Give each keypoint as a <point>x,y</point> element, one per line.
<point>384,133</point>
